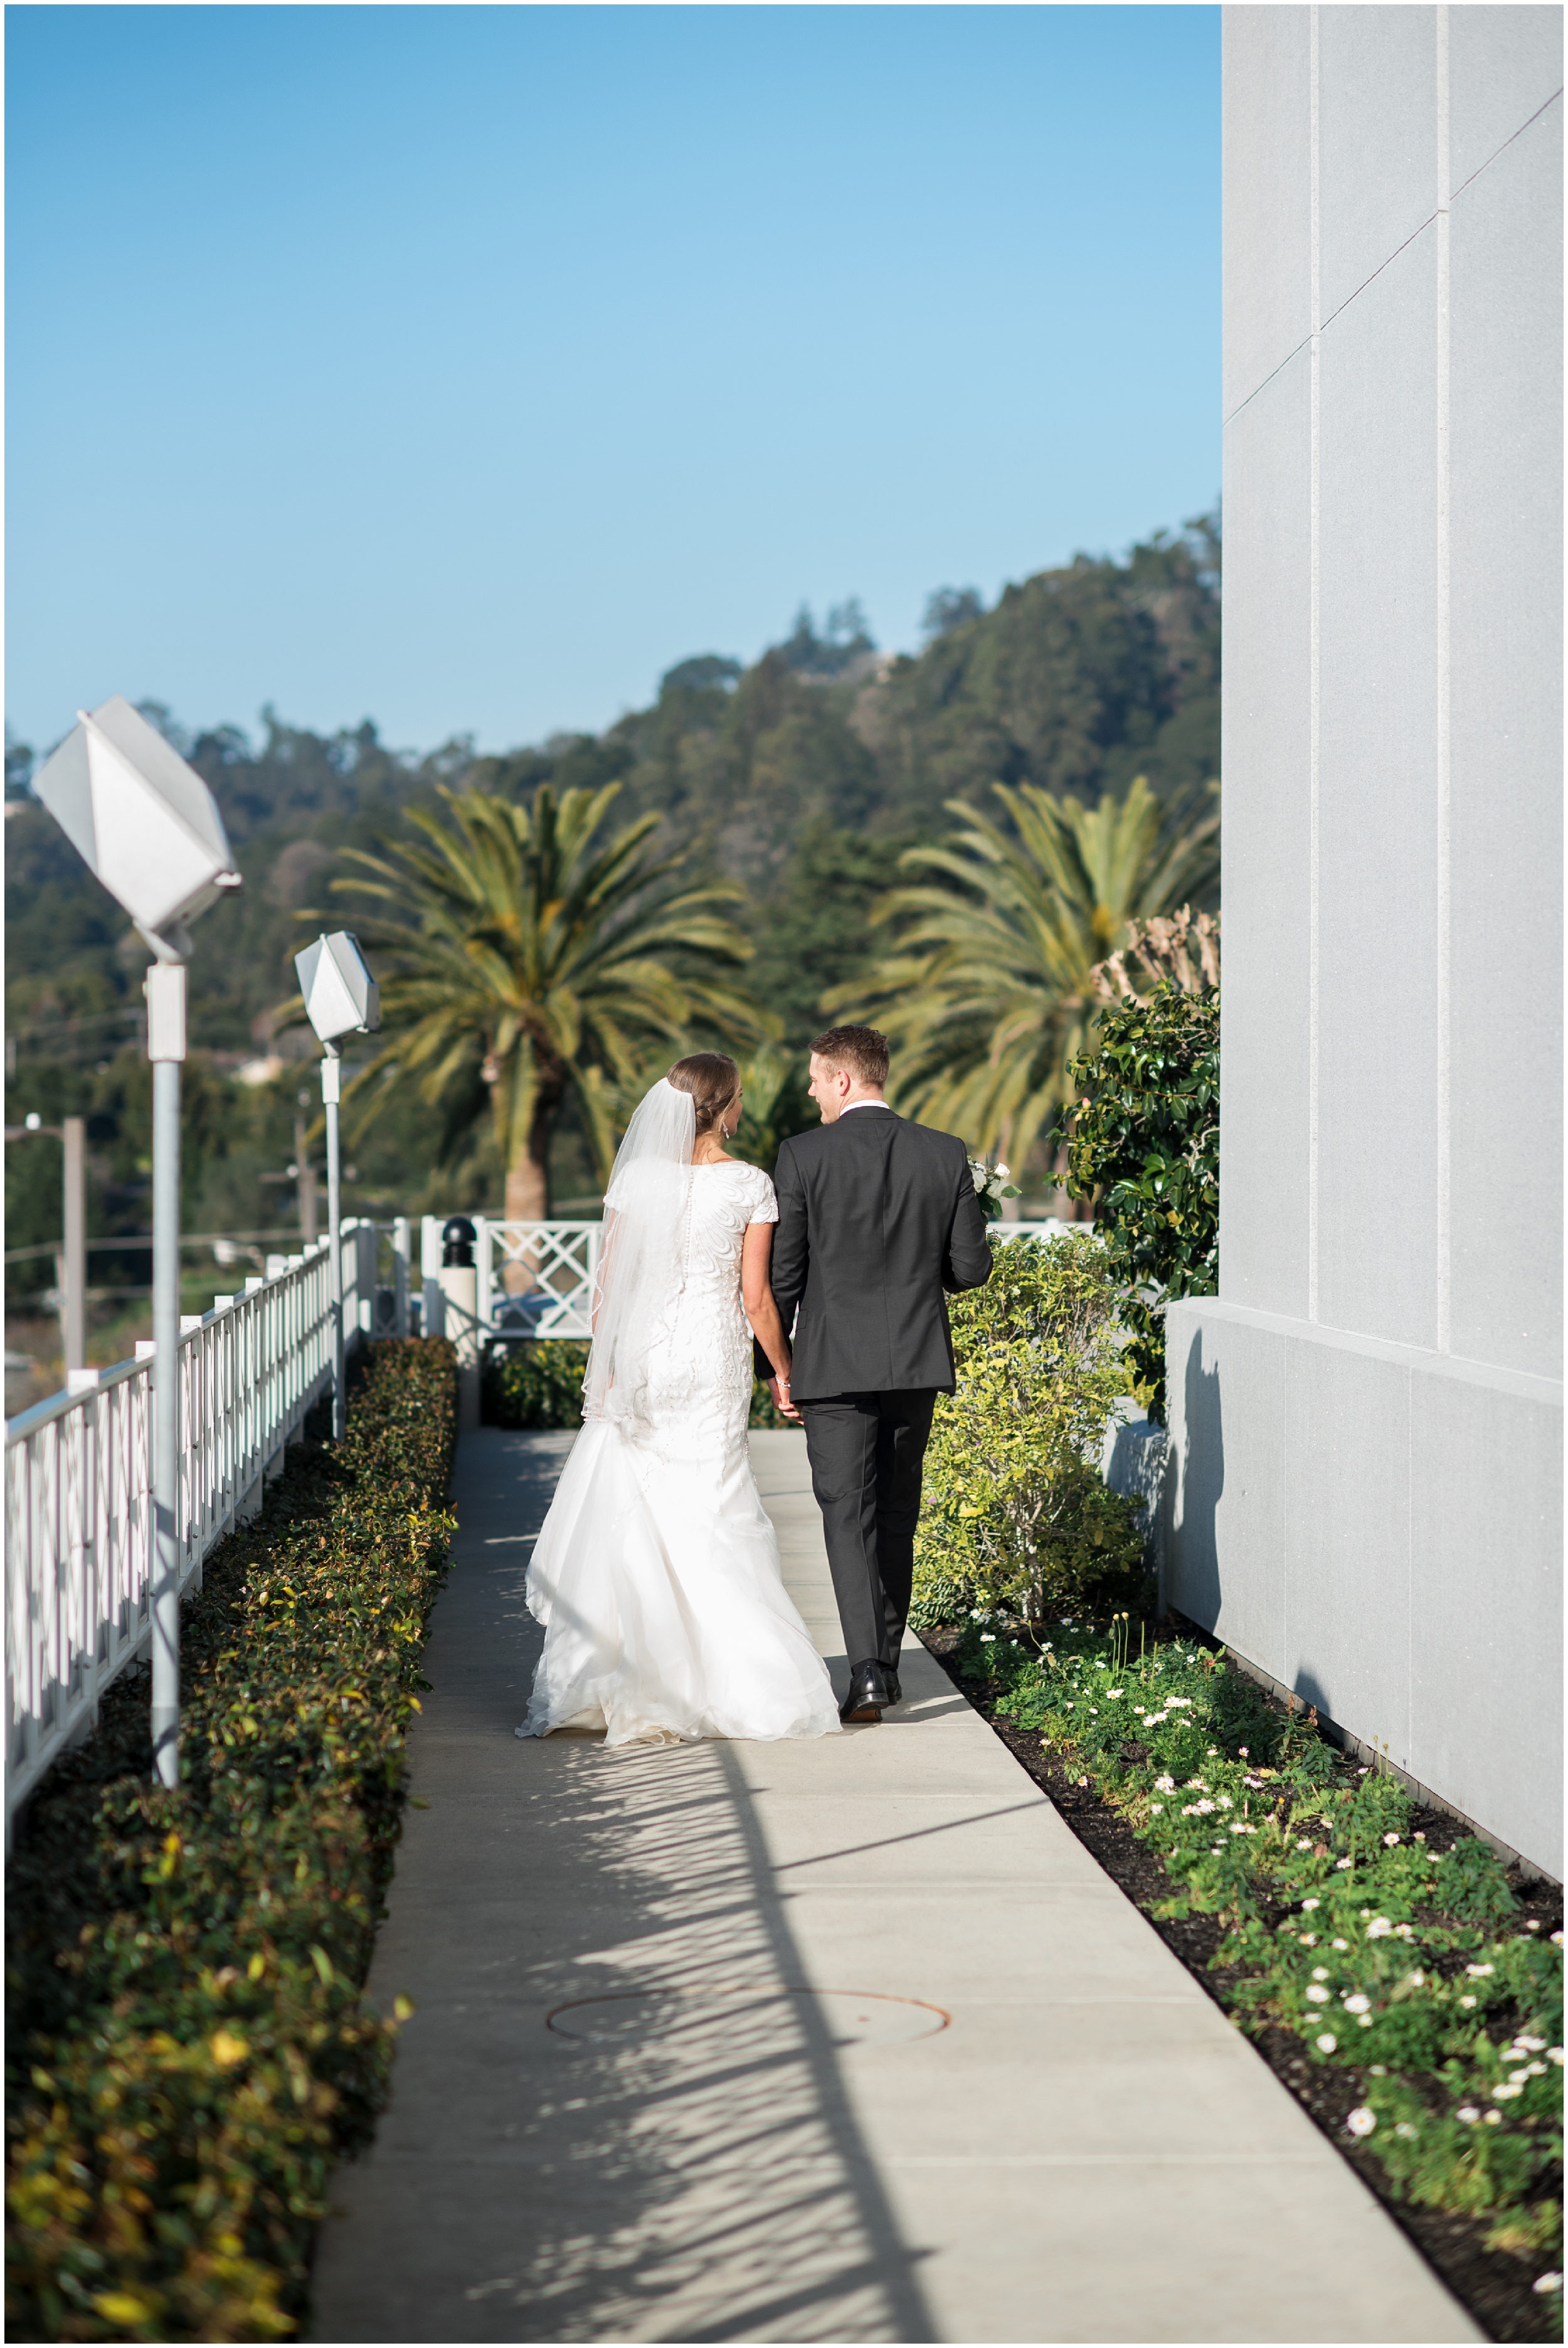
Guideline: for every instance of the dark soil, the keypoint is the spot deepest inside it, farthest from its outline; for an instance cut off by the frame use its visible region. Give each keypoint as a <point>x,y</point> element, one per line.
<point>1493,2286</point>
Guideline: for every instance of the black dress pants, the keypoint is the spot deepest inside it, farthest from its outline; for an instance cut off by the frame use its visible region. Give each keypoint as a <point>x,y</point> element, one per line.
<point>866,1452</point>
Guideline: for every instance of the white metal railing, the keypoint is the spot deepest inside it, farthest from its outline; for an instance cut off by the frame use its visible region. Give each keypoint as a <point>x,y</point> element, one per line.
<point>78,1467</point>
<point>79,1480</point>
<point>1051,1227</point>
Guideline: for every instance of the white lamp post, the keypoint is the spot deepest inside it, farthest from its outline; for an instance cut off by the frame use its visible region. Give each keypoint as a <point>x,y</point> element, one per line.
<point>341,999</point>
<point>147,825</point>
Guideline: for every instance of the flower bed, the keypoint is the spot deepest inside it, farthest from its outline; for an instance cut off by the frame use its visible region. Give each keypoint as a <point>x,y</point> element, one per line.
<point>1383,1958</point>
<point>188,2048</point>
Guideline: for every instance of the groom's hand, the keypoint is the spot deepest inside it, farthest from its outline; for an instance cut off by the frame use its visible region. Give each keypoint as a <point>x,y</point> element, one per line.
<point>779,1389</point>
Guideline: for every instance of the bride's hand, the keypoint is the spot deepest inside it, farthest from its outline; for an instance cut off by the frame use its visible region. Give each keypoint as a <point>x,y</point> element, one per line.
<point>779,1389</point>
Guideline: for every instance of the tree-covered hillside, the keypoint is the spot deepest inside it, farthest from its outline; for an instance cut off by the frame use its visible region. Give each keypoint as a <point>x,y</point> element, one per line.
<point>801,777</point>
<point>1077,680</point>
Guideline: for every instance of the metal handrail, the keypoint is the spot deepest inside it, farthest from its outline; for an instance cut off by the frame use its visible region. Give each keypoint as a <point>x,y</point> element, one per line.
<point>78,1484</point>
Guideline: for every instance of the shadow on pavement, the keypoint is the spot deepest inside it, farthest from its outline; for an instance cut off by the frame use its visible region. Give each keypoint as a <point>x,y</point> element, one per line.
<point>610,2121</point>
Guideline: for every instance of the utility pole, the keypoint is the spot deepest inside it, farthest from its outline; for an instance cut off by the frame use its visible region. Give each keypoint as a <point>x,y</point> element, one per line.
<point>71,1255</point>
<point>306,1177</point>
<point>74,1287</point>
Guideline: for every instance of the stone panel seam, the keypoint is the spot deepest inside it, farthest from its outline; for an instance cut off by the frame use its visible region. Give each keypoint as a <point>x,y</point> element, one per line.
<point>1443,744</point>
<point>1257,389</point>
<point>1433,218</point>
<point>1314,666</point>
<point>1523,1386</point>
<point>1544,108</point>
<point>1410,1544</point>
<point>1306,340</point>
<point>1287,1463</point>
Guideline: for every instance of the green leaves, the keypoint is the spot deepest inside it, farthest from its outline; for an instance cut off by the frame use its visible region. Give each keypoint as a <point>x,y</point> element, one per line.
<point>1142,1141</point>
<point>988,993</point>
<point>535,1385</point>
<point>531,954</point>
<point>1014,1509</point>
<point>191,2052</point>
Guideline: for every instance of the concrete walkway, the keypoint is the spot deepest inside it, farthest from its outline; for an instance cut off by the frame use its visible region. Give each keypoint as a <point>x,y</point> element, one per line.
<point>840,2041</point>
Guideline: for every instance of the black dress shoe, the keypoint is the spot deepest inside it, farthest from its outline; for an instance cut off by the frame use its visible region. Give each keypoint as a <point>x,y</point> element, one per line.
<point>895,1691</point>
<point>867,1695</point>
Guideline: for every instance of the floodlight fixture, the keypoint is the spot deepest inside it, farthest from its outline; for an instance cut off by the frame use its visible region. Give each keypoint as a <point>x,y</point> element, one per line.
<point>141,820</point>
<point>341,999</point>
<point>146,824</point>
<point>341,996</point>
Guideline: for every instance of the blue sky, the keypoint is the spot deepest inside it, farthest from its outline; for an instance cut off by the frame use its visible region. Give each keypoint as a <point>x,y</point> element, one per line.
<point>466,367</point>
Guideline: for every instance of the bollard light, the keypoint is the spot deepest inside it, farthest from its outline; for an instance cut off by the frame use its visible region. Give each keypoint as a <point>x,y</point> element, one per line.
<point>341,999</point>
<point>147,825</point>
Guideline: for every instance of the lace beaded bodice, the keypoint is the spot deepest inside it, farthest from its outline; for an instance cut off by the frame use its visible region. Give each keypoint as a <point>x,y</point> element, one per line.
<point>725,1197</point>
<point>707,1360</point>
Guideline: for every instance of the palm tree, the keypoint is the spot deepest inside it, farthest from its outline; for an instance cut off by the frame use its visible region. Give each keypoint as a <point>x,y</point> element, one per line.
<point>530,957</point>
<point>988,989</point>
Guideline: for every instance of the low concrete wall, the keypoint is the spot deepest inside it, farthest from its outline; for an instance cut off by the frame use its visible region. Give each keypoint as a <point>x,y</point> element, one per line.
<point>1132,1461</point>
<point>1379,1528</point>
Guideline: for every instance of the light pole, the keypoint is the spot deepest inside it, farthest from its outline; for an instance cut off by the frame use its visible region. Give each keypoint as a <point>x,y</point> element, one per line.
<point>341,999</point>
<point>147,825</point>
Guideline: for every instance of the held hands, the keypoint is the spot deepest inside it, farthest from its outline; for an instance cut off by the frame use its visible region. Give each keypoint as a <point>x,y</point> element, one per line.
<point>779,1389</point>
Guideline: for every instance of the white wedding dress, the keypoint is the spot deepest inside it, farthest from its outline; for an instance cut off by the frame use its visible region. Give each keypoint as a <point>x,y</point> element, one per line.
<point>656,1573</point>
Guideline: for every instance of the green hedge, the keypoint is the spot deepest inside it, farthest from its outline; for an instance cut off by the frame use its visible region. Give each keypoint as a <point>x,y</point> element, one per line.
<point>189,2050</point>
<point>535,1385</point>
<point>539,1384</point>
<point>1144,1141</point>
<point>1015,1511</point>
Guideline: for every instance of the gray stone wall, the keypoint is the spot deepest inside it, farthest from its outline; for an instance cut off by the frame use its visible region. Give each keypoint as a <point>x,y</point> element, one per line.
<point>1365,1483</point>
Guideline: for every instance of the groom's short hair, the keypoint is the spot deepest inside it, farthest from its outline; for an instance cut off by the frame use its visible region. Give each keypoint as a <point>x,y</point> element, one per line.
<point>860,1050</point>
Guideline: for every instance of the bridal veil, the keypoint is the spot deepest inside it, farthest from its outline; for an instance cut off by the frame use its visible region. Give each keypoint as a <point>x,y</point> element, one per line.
<point>636,1291</point>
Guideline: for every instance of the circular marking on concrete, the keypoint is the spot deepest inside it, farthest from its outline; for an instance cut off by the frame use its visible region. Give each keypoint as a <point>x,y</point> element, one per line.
<point>850,2017</point>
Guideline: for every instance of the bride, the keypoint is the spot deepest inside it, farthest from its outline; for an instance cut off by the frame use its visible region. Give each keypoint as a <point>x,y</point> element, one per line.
<point>656,1573</point>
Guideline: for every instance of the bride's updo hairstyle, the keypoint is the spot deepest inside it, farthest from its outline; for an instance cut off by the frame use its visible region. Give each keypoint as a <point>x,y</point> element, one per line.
<point>712,1079</point>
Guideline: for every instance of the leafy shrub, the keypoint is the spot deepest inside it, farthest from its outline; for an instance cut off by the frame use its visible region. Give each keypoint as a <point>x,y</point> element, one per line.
<point>539,1384</point>
<point>1388,1958</point>
<point>188,2049</point>
<point>1015,1512</point>
<point>1142,1140</point>
<point>536,1385</point>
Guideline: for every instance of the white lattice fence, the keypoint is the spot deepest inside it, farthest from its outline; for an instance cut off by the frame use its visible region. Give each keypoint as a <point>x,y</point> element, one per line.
<point>532,1278</point>
<point>78,1481</point>
<point>1051,1227</point>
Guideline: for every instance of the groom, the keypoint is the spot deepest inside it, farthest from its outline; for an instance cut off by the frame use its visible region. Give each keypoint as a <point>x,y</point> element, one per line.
<point>877,1217</point>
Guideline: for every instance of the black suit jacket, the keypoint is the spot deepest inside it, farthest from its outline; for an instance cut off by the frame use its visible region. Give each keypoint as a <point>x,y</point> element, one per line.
<point>877,1216</point>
